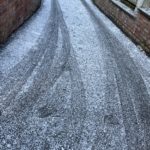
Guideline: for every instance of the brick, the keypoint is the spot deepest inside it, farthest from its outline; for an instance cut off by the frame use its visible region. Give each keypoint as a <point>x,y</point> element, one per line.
<point>13,13</point>
<point>137,28</point>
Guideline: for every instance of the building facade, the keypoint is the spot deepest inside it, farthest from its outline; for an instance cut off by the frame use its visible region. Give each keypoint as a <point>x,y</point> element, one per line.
<point>132,16</point>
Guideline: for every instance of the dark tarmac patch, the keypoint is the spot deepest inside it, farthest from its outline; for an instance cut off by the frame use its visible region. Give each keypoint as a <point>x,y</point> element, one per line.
<point>111,120</point>
<point>1,75</point>
<point>46,111</point>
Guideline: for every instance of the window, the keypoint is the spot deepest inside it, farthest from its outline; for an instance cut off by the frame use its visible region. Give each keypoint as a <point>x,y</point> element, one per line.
<point>130,3</point>
<point>134,4</point>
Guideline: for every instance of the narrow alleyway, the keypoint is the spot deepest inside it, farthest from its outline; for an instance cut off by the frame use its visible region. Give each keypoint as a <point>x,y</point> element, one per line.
<point>83,86</point>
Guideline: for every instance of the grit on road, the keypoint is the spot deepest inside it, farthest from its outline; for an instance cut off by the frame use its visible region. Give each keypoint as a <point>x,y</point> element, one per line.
<point>83,86</point>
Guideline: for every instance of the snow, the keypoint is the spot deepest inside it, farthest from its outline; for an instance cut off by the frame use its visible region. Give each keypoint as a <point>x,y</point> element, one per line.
<point>23,40</point>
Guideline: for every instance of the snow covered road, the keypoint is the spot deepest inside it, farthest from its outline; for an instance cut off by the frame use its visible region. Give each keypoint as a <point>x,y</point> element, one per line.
<point>83,86</point>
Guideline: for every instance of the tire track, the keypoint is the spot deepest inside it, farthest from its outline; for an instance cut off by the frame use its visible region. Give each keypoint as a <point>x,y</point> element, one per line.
<point>134,98</point>
<point>53,65</point>
<point>11,84</point>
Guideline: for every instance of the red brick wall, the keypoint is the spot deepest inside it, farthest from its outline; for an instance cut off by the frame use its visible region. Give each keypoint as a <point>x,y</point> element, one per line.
<point>13,13</point>
<point>137,27</point>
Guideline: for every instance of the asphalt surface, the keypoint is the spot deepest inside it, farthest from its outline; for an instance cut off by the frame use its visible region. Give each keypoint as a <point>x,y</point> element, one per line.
<point>83,86</point>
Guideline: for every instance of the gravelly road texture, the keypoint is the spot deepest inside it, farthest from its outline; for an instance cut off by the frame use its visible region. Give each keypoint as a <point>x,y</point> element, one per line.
<point>84,86</point>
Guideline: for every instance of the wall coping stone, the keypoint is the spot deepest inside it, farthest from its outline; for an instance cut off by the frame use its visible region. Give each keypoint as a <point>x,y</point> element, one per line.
<point>146,12</point>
